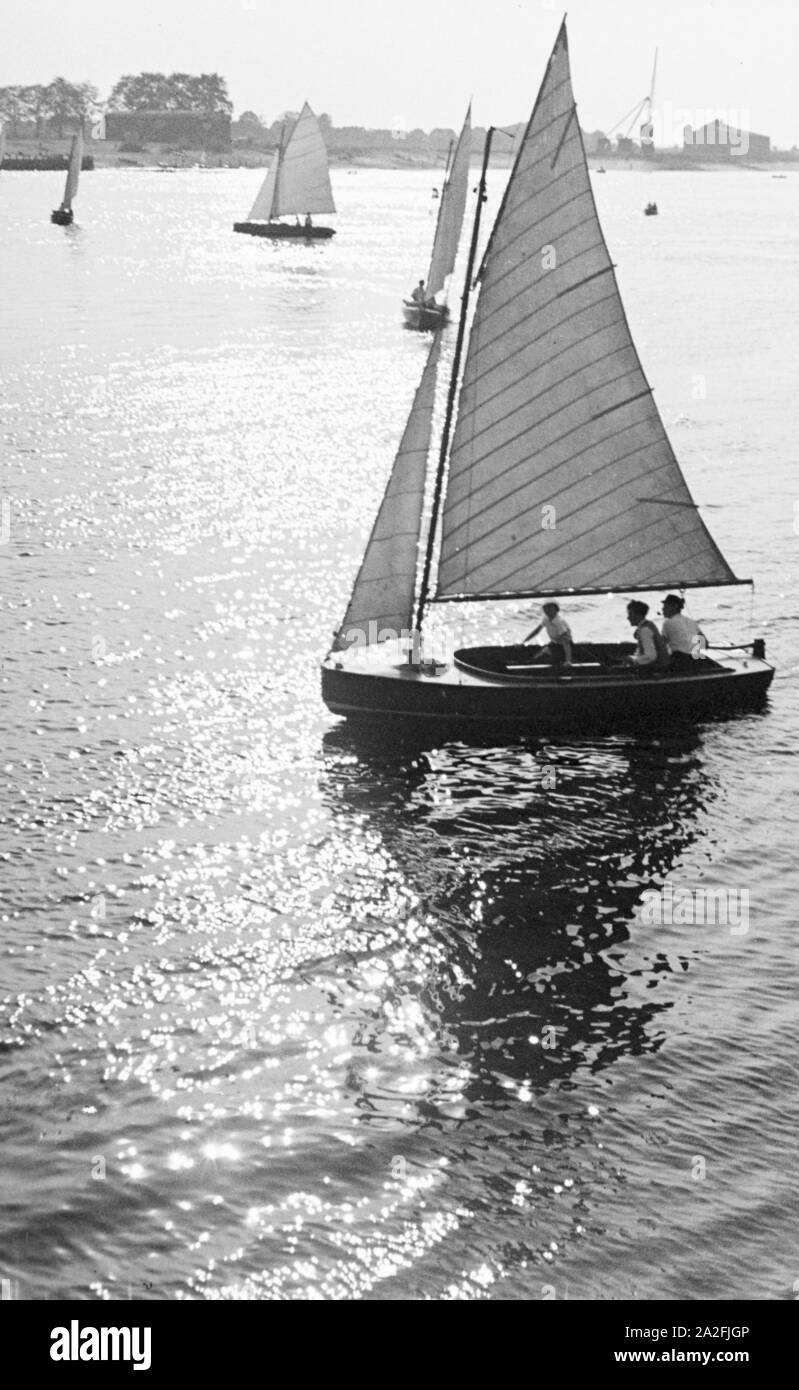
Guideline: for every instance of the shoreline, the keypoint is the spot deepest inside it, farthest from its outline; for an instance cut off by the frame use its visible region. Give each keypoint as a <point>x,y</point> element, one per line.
<point>109,155</point>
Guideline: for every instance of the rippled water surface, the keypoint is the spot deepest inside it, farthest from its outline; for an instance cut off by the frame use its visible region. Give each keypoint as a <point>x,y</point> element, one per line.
<point>288,1015</point>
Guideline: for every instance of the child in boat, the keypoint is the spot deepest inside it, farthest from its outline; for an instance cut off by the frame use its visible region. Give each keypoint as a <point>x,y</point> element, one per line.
<point>684,638</point>
<point>558,632</point>
<point>652,654</point>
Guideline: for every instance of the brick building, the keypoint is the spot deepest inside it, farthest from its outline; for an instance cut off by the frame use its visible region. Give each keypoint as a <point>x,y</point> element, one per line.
<point>717,140</point>
<point>191,129</point>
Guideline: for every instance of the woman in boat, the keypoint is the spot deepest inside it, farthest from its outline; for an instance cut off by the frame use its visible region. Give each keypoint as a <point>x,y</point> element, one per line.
<point>652,653</point>
<point>559,649</point>
<point>683,636</point>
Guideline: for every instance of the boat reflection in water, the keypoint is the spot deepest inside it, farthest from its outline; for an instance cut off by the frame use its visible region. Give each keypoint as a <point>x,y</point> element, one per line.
<point>514,984</point>
<point>529,863</point>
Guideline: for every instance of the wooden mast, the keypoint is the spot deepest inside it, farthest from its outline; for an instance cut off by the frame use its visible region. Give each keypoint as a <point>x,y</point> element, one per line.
<point>277,170</point>
<point>453,384</point>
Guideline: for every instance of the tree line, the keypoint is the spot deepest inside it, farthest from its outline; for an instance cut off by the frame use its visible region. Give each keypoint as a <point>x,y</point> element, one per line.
<point>50,107</point>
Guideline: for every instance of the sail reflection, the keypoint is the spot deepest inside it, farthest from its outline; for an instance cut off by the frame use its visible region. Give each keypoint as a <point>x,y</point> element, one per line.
<point>527,865</point>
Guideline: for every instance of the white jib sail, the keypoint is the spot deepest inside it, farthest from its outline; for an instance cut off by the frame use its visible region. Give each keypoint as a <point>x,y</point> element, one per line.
<point>450,212</point>
<point>381,606</point>
<point>261,210</point>
<point>304,182</point>
<point>561,475</point>
<point>73,173</point>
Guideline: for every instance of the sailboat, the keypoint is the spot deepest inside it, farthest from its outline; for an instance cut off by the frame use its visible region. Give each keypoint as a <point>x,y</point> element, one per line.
<point>297,185</point>
<point>555,477</point>
<point>63,216</point>
<point>2,144</point>
<point>451,208</point>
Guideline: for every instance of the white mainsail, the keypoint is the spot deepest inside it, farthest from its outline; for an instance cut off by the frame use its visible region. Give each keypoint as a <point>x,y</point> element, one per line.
<point>73,173</point>
<point>383,595</point>
<point>451,208</point>
<point>299,179</point>
<point>561,476</point>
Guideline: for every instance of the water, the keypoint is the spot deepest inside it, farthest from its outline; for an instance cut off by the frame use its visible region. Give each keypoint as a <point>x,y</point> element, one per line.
<point>286,1015</point>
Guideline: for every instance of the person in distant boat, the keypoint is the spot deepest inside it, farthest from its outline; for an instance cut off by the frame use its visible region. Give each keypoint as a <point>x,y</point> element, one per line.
<point>418,295</point>
<point>683,636</point>
<point>559,648</point>
<point>308,222</point>
<point>652,654</point>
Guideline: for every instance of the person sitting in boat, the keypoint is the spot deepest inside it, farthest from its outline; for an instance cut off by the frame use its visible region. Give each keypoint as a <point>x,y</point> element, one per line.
<point>652,653</point>
<point>559,648</point>
<point>418,295</point>
<point>308,222</point>
<point>684,638</point>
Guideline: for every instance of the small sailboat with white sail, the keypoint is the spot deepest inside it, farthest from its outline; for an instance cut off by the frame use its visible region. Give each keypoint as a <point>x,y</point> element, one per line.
<point>63,216</point>
<point>297,185</point>
<point>424,310</point>
<point>555,478</point>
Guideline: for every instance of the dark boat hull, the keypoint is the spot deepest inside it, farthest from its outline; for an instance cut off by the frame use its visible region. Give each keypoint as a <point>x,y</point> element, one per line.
<point>539,700</point>
<point>282,231</point>
<point>423,319</point>
<point>40,164</point>
<point>62,217</point>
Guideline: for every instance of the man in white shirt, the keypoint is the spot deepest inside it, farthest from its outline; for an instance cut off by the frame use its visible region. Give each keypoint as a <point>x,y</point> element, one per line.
<point>559,634</point>
<point>685,639</point>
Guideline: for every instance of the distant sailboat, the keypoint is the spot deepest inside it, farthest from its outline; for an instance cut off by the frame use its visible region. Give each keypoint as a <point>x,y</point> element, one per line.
<point>430,314</point>
<point>559,480</point>
<point>63,216</point>
<point>2,144</point>
<point>297,185</point>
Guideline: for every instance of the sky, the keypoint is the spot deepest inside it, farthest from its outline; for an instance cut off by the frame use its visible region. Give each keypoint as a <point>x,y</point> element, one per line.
<point>416,63</point>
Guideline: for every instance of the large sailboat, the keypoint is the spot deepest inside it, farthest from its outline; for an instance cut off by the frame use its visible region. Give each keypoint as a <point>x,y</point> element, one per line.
<point>63,215</point>
<point>555,477</point>
<point>426,312</point>
<point>297,185</point>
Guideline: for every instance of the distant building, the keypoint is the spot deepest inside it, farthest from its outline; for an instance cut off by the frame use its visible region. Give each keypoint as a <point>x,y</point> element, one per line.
<point>192,129</point>
<point>717,140</point>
